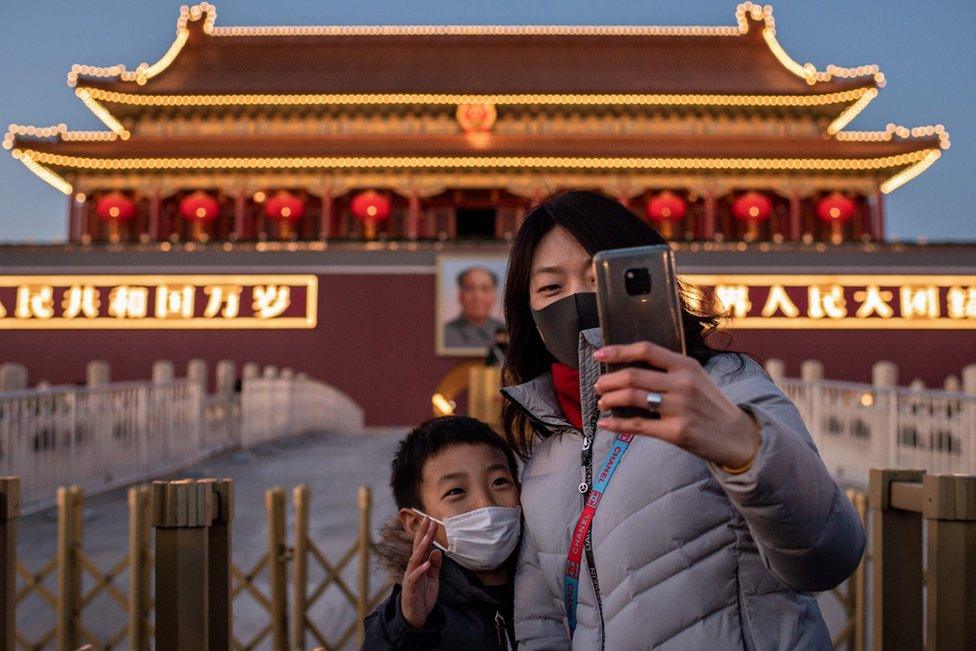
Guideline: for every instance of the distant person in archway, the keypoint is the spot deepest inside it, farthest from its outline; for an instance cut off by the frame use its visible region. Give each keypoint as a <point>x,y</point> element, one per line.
<point>474,327</point>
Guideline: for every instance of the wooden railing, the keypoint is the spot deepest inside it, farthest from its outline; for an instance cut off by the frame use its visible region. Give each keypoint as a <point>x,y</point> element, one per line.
<point>939,557</point>
<point>177,589</point>
<point>921,563</point>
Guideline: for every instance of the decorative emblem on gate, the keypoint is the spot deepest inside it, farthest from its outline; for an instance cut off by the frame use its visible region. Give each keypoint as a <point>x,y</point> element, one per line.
<point>475,118</point>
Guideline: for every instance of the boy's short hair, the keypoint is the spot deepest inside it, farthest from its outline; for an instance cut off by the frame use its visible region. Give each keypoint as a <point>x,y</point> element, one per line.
<point>429,438</point>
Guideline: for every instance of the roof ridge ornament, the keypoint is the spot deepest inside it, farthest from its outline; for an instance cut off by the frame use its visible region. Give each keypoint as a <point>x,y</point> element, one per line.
<point>207,13</point>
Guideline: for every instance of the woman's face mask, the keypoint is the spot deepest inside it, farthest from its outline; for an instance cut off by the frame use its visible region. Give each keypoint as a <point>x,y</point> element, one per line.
<point>483,539</point>
<point>561,322</point>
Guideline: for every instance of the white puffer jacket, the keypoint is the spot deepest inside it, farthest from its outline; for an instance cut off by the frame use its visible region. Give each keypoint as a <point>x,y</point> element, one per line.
<point>687,556</point>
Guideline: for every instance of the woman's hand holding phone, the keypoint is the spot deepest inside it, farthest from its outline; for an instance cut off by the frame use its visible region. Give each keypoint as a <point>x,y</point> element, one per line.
<point>695,415</point>
<point>421,579</point>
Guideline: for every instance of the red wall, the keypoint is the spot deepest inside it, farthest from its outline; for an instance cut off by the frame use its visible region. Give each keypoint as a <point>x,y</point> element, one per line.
<point>375,341</point>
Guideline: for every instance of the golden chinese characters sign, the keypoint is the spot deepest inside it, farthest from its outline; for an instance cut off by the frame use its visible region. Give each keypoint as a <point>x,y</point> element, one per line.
<point>841,302</point>
<point>93,302</point>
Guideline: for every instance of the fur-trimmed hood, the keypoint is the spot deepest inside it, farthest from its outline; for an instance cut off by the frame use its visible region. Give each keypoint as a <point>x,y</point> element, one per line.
<point>393,548</point>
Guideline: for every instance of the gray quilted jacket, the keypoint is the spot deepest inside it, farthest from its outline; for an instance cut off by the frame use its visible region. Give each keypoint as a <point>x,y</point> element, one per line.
<point>686,556</point>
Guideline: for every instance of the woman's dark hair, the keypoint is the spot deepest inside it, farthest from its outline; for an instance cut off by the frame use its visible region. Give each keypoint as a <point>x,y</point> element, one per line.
<point>430,438</point>
<point>598,223</point>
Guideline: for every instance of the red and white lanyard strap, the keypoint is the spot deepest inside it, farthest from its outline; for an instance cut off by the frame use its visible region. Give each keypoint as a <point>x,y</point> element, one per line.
<point>577,543</point>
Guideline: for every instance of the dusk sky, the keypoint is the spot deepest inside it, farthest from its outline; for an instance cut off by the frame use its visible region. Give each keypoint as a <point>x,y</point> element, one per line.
<point>926,51</point>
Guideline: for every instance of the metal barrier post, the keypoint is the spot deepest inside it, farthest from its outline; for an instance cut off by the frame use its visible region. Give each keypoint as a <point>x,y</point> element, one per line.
<point>301,496</point>
<point>950,507</point>
<point>274,500</point>
<point>69,567</point>
<point>138,601</point>
<point>362,596</point>
<point>9,512</point>
<point>182,512</point>
<point>219,581</point>
<point>897,572</point>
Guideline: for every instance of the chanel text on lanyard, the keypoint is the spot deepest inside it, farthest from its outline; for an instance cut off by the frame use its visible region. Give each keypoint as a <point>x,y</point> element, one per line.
<point>593,494</point>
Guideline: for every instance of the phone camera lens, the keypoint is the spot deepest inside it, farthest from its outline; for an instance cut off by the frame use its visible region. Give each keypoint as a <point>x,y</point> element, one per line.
<point>637,282</point>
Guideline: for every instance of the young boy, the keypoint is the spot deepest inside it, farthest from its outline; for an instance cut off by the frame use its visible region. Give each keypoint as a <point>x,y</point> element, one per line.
<point>453,542</point>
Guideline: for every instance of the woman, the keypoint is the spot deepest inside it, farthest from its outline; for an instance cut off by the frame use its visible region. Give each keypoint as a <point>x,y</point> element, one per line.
<point>706,530</point>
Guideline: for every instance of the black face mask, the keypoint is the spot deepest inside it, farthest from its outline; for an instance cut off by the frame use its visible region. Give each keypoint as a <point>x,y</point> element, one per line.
<point>561,322</point>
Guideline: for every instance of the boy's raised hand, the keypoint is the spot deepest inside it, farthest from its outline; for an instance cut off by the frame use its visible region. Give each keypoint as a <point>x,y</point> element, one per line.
<point>421,578</point>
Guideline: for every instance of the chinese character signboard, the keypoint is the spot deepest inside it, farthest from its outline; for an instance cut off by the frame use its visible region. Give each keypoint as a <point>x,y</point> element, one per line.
<point>841,302</point>
<point>96,302</point>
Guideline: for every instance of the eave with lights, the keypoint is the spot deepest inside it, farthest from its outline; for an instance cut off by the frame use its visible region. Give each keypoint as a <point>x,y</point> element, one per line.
<point>704,113</point>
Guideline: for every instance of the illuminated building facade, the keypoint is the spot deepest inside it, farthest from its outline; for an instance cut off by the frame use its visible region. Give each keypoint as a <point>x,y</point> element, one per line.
<point>273,133</point>
<point>329,167</point>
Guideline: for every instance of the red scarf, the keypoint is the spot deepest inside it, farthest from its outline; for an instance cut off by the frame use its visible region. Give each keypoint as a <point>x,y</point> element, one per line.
<point>566,380</point>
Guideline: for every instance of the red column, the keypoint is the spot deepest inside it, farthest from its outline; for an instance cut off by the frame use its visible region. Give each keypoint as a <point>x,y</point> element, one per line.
<point>155,210</point>
<point>240,212</point>
<point>85,222</point>
<point>325,220</point>
<point>452,223</point>
<point>795,216</point>
<point>73,218</point>
<point>536,197</point>
<point>413,214</point>
<point>709,226</point>
<point>877,216</point>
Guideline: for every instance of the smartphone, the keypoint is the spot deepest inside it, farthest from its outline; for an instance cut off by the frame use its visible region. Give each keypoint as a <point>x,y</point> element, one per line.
<point>638,300</point>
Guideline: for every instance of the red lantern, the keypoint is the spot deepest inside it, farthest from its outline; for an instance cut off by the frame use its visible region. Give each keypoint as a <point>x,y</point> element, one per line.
<point>752,207</point>
<point>199,208</point>
<point>284,208</point>
<point>114,208</point>
<point>836,209</point>
<point>664,209</point>
<point>370,207</point>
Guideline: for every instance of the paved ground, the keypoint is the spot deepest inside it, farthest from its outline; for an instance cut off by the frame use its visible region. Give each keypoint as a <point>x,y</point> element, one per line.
<point>332,465</point>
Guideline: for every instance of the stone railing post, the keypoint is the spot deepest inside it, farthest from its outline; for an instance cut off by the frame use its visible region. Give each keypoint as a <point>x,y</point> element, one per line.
<point>969,379</point>
<point>812,372</point>
<point>884,433</point>
<point>98,373</point>
<point>13,376</point>
<point>250,370</point>
<point>226,376</point>
<point>162,371</point>
<point>196,371</point>
<point>776,369</point>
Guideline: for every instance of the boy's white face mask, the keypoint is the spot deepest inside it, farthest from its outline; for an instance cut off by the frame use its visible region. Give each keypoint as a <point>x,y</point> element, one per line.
<point>482,539</point>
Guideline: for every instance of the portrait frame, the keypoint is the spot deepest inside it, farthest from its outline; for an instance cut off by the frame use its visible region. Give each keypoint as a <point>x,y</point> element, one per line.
<point>447,307</point>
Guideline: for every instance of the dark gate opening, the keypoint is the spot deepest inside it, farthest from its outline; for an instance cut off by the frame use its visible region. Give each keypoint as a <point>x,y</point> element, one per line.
<point>476,223</point>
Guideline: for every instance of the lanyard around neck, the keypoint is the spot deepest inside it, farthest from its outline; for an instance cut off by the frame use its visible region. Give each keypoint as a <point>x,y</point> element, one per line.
<point>578,541</point>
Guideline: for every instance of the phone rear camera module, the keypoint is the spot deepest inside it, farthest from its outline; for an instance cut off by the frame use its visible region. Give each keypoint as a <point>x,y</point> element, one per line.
<point>637,281</point>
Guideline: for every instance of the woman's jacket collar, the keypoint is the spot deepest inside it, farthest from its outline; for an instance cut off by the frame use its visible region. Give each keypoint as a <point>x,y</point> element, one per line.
<point>537,397</point>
